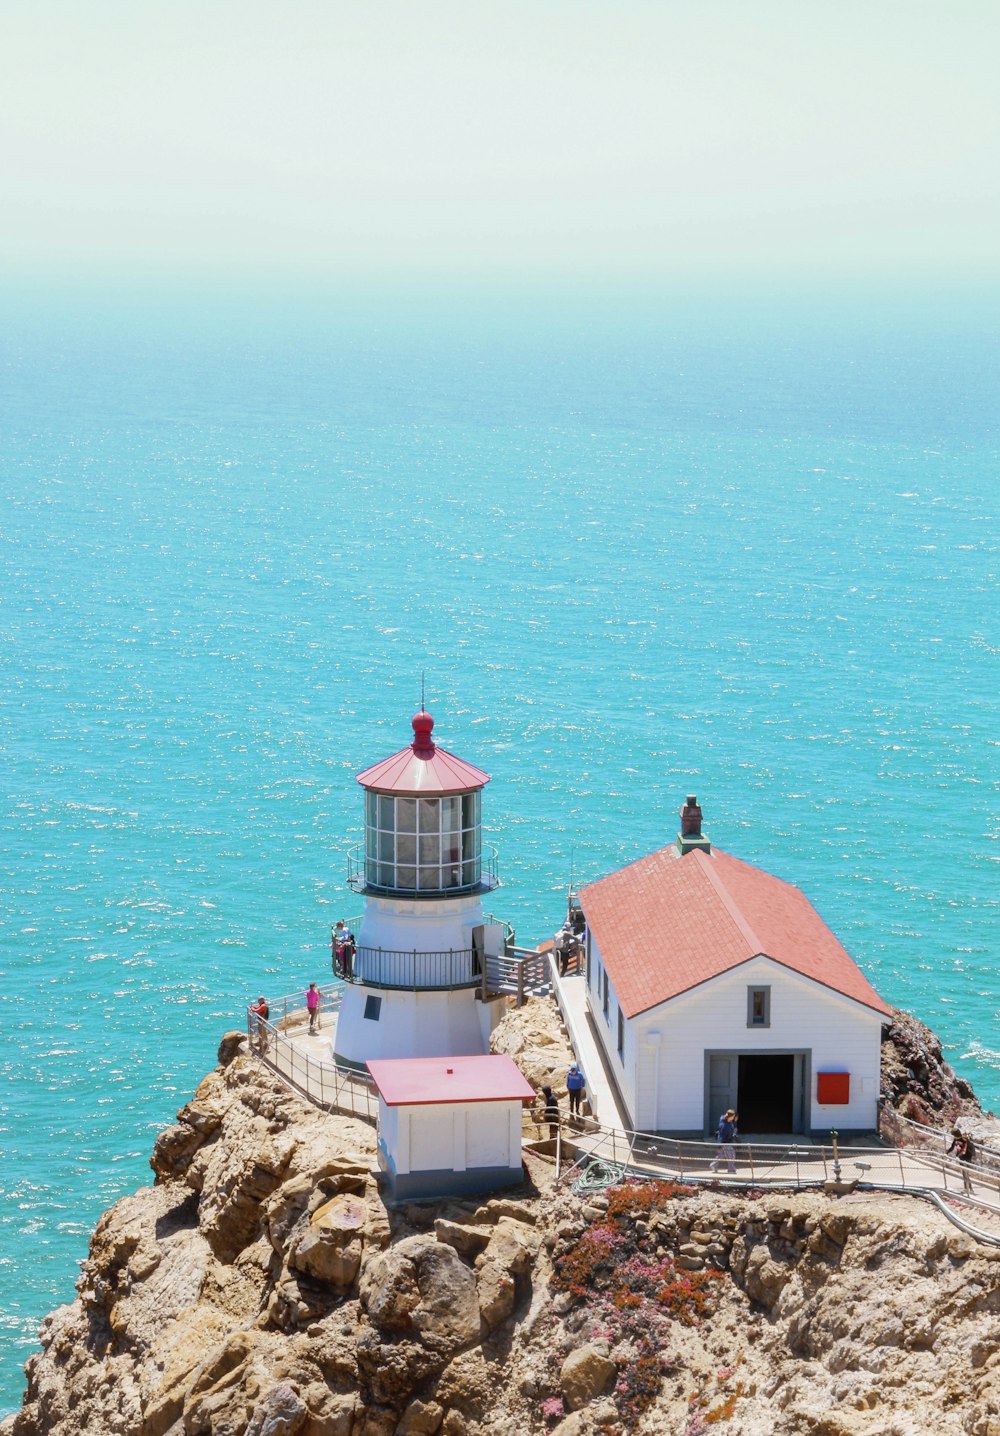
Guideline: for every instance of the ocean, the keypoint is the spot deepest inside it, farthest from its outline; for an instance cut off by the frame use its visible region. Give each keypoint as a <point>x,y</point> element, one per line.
<point>635,548</point>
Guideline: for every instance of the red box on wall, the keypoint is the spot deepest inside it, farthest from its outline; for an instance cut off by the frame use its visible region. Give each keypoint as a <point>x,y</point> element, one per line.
<point>833,1089</point>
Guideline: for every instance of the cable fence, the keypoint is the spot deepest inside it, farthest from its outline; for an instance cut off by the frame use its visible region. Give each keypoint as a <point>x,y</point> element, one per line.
<point>325,1083</point>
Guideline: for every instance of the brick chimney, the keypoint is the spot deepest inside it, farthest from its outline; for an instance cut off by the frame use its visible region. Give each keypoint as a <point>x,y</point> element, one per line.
<point>690,836</point>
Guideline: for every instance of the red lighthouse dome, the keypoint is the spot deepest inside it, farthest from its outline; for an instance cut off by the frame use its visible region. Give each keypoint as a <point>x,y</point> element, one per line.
<point>422,768</point>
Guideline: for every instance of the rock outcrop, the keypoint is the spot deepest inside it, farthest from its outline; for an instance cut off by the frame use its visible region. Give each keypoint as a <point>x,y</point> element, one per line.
<point>917,1081</point>
<point>262,1288</point>
<point>532,1035</point>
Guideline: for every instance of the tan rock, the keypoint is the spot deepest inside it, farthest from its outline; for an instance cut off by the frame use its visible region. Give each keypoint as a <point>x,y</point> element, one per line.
<point>330,1413</point>
<point>466,1240</point>
<point>420,1419</point>
<point>512,1246</point>
<point>328,1246</point>
<point>499,1207</point>
<point>496,1290</point>
<point>180,1353</point>
<point>421,1285</point>
<point>587,1372</point>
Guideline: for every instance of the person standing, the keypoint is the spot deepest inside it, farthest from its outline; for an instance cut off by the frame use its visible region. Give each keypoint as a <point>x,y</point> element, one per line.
<point>260,1012</point>
<point>726,1138</point>
<point>343,948</point>
<point>964,1148</point>
<point>550,1111</point>
<point>575,1084</point>
<point>312,1006</point>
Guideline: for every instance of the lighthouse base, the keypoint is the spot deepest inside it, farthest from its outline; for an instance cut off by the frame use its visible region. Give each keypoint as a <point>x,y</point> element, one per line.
<point>374,1023</point>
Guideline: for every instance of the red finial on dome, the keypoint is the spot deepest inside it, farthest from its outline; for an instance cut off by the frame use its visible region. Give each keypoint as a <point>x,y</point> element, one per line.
<point>423,743</point>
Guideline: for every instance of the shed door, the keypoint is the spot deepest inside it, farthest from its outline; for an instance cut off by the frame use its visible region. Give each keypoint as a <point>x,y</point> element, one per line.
<point>723,1082</point>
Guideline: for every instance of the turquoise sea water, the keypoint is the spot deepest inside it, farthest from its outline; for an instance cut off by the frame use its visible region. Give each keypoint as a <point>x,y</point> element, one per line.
<point>748,551</point>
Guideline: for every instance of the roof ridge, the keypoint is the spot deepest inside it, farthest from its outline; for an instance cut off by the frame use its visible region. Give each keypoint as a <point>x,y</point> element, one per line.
<point>729,902</point>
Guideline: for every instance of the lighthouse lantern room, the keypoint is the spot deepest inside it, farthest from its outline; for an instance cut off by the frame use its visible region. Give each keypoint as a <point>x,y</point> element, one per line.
<point>416,984</point>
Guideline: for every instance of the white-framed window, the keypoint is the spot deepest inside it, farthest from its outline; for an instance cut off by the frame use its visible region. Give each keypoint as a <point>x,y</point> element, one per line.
<point>621,1034</point>
<point>605,1002</point>
<point>758,1006</point>
<point>423,844</point>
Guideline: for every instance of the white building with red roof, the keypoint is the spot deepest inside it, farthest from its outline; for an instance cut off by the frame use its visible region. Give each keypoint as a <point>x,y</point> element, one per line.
<point>414,985</point>
<point>712,984</point>
<point>449,1124</point>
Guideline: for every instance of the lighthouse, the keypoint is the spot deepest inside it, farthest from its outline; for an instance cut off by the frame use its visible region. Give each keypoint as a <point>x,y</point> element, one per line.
<point>417,984</point>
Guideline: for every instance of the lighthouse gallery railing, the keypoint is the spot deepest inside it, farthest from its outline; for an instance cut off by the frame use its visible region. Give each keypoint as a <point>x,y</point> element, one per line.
<point>413,970</point>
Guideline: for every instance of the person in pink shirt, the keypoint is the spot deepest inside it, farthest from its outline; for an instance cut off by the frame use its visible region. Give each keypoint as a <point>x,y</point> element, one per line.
<point>312,1003</point>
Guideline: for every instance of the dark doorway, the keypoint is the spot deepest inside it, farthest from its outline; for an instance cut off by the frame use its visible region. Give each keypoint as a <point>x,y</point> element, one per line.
<point>765,1093</point>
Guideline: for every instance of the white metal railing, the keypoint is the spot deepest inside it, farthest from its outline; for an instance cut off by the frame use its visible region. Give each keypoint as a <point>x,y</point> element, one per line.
<point>905,1132</point>
<point>292,1006</point>
<point>413,969</point>
<point>778,1164</point>
<point>520,971</point>
<point>327,1084</point>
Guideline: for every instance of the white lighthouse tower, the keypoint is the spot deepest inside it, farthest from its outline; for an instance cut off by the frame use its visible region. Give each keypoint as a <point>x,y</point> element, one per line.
<point>416,986</point>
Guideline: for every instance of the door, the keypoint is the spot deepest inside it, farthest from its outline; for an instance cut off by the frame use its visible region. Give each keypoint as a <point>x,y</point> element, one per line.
<point>766,1093</point>
<point>723,1080</point>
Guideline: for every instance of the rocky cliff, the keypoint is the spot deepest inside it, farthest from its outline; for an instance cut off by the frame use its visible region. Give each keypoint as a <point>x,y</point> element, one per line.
<point>262,1288</point>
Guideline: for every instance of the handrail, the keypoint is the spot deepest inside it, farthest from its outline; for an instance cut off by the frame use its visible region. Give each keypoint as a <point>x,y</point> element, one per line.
<point>412,969</point>
<point>326,1084</point>
<point>892,1123</point>
<point>293,1002</point>
<point>776,1164</point>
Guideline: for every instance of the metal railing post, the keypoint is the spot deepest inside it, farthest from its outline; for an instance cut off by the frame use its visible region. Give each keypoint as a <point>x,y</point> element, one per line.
<point>520,984</point>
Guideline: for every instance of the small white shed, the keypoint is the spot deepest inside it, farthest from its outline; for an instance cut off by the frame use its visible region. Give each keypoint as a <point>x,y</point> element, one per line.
<point>713,984</point>
<point>449,1124</point>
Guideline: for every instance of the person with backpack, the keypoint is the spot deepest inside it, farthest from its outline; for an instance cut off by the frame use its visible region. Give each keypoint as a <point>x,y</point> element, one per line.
<point>726,1138</point>
<point>965,1151</point>
<point>550,1110</point>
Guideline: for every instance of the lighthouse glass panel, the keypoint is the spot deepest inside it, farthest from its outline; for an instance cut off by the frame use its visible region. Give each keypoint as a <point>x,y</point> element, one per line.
<point>424,845</point>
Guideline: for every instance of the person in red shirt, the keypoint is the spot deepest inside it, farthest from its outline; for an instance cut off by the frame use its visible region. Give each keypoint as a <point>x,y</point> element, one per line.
<point>260,1014</point>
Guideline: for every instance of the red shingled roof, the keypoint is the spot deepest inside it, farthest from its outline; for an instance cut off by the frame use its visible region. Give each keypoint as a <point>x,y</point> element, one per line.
<point>668,923</point>
<point>422,768</point>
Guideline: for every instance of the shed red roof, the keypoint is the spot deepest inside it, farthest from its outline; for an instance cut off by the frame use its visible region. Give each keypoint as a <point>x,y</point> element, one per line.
<point>422,768</point>
<point>668,923</point>
<point>418,1081</point>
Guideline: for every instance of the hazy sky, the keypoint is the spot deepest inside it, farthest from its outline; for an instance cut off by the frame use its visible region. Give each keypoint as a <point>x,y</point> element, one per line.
<point>575,138</point>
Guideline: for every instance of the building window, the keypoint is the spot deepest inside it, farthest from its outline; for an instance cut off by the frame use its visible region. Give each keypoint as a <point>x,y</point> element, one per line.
<point>621,1034</point>
<point>373,1007</point>
<point>589,983</point>
<point>758,1007</point>
<point>605,975</point>
<point>423,844</point>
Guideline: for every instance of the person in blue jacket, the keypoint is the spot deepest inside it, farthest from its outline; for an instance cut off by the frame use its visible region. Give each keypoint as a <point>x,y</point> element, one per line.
<point>575,1084</point>
<point>726,1138</point>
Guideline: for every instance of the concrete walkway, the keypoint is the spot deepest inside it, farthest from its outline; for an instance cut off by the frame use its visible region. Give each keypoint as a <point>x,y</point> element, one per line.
<point>571,996</point>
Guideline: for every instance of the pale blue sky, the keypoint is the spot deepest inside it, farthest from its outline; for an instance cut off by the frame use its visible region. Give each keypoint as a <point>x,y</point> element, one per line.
<point>584,139</point>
